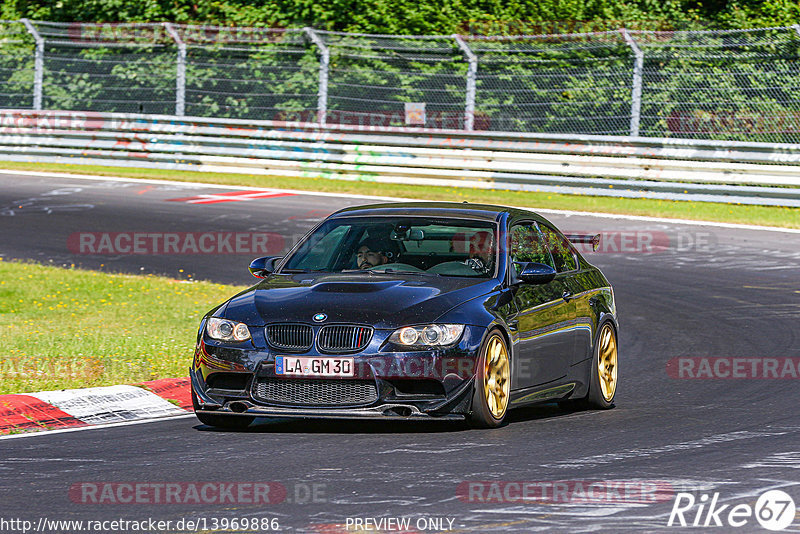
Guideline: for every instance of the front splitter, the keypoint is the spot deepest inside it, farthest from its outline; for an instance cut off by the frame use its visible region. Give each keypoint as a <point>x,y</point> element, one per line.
<point>384,411</point>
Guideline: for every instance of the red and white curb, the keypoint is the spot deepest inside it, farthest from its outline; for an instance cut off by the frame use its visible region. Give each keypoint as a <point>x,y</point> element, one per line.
<point>49,410</point>
<point>232,196</point>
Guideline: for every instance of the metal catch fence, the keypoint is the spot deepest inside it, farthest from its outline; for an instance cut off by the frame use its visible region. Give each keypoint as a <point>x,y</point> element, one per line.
<point>729,85</point>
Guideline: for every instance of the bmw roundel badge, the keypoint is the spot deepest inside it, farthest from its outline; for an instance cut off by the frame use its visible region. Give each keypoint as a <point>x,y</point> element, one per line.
<point>320,317</point>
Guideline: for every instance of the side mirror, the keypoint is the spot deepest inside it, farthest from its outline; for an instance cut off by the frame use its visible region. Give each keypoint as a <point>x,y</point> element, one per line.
<point>537,273</point>
<point>263,267</point>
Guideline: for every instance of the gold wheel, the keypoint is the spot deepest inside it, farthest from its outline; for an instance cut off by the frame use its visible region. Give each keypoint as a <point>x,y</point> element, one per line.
<point>496,381</point>
<point>607,363</point>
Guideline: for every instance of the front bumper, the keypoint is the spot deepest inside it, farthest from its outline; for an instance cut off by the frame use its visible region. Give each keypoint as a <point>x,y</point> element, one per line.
<point>380,410</point>
<point>394,375</point>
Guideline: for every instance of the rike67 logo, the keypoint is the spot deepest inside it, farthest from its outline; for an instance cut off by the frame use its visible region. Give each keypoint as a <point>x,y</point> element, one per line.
<point>774,510</point>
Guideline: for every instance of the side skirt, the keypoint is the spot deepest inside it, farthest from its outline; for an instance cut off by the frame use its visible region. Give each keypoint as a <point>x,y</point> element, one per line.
<point>531,395</point>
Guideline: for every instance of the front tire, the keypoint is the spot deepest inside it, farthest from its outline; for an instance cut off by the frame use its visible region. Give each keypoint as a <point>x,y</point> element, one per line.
<point>492,383</point>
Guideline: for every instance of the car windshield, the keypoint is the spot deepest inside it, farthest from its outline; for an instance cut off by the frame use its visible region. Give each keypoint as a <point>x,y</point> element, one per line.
<point>427,246</point>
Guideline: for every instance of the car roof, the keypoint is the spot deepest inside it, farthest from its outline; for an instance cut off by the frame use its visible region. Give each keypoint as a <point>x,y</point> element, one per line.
<point>435,209</point>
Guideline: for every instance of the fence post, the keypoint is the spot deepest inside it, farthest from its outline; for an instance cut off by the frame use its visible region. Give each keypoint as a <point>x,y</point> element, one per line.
<point>180,75</point>
<point>472,75</point>
<point>636,93</point>
<point>38,65</point>
<point>324,63</point>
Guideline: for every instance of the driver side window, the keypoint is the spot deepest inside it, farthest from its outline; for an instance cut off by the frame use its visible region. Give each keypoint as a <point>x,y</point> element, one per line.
<point>525,245</point>
<point>560,249</point>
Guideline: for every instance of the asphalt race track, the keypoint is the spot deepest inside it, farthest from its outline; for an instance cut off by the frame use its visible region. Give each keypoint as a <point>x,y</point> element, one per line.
<point>708,292</point>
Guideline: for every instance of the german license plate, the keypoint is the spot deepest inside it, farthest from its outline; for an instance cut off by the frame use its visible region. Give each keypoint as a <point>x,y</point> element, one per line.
<point>305,366</point>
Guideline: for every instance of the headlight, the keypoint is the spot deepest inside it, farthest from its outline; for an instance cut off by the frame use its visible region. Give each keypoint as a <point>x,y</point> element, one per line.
<point>432,335</point>
<point>226,330</point>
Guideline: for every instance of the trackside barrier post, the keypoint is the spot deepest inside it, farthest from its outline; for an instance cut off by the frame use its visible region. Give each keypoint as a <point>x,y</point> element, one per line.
<point>180,75</point>
<point>38,64</point>
<point>472,74</point>
<point>324,63</point>
<point>636,91</point>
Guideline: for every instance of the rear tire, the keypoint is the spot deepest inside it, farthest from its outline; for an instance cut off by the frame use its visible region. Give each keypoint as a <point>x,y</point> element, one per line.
<point>492,383</point>
<point>229,422</point>
<point>603,385</point>
<point>603,377</point>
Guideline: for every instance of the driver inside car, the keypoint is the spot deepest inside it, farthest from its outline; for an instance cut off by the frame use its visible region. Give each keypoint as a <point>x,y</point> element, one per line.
<point>480,251</point>
<point>372,254</point>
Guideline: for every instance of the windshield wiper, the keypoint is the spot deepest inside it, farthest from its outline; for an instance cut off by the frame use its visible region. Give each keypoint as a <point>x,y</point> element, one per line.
<point>392,271</point>
<point>388,271</point>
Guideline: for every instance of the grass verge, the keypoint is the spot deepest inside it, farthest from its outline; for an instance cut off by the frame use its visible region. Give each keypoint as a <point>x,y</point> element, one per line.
<point>68,328</point>
<point>705,211</point>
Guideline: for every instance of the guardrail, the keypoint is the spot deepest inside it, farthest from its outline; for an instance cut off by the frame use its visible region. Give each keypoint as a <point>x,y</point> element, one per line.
<point>676,169</point>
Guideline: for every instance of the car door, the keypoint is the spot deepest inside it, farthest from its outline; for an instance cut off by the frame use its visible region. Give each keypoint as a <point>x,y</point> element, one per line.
<point>577,318</point>
<point>545,345</point>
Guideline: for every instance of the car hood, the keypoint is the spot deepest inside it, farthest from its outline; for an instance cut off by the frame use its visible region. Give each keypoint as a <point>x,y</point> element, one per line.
<point>380,300</point>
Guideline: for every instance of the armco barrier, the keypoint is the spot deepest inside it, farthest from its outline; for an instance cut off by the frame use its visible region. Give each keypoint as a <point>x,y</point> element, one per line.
<point>677,169</point>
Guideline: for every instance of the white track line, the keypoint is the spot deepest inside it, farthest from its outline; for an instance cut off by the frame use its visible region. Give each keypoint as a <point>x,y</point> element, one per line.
<point>29,434</point>
<point>396,199</point>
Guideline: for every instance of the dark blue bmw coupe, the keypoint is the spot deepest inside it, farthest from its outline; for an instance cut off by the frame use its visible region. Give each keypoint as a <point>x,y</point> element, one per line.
<point>410,311</point>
